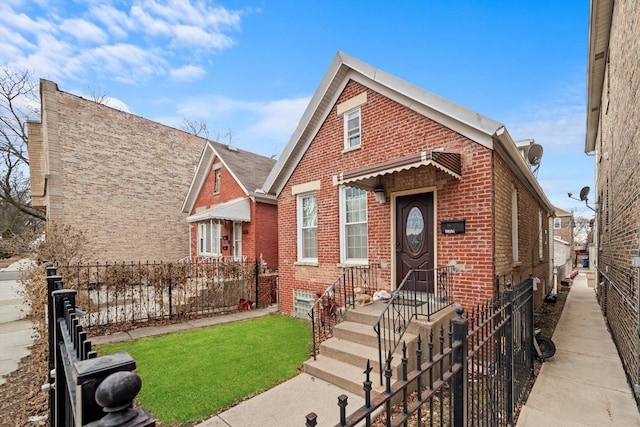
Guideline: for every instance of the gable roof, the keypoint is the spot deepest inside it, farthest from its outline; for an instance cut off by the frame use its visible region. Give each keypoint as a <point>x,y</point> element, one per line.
<point>247,168</point>
<point>561,212</point>
<point>343,68</point>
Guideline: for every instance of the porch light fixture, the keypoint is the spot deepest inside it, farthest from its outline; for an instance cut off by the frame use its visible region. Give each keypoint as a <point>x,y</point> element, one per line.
<point>378,191</point>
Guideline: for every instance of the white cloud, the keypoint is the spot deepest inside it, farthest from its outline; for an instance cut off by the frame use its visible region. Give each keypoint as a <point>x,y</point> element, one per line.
<point>132,44</point>
<point>278,118</point>
<point>192,36</point>
<point>188,73</point>
<point>83,31</point>
<point>117,22</point>
<point>128,63</point>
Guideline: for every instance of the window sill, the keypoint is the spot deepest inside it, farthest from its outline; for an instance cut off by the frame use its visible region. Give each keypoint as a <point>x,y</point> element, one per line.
<point>516,264</point>
<point>346,264</point>
<point>306,264</point>
<point>347,150</point>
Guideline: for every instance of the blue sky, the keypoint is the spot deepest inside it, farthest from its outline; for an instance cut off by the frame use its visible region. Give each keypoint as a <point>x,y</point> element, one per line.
<point>250,67</point>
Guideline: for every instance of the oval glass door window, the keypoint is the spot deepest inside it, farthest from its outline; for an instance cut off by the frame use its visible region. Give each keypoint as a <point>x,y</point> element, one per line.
<point>415,230</point>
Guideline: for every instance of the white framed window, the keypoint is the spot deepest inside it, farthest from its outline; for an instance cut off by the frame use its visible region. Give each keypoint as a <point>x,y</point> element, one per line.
<point>307,208</point>
<point>514,225</point>
<point>557,223</point>
<point>353,225</point>
<point>540,236</point>
<point>218,179</point>
<point>352,128</point>
<point>209,238</point>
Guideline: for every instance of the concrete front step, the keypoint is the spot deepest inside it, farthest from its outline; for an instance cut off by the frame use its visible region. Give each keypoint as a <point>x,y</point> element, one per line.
<point>343,375</point>
<point>357,354</point>
<point>356,332</point>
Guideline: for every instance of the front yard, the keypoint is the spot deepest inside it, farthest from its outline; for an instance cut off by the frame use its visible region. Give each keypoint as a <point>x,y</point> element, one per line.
<point>192,375</point>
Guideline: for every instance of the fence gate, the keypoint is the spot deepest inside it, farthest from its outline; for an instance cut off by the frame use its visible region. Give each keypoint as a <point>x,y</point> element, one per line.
<point>84,387</point>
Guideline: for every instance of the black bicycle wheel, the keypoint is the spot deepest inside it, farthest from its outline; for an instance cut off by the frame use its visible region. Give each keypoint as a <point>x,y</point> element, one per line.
<point>547,347</point>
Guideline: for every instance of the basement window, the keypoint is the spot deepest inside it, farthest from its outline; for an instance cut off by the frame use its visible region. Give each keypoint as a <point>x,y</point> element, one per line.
<point>302,301</point>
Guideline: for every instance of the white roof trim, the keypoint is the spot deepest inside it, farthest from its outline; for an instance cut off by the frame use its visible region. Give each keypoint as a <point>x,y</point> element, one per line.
<point>344,67</point>
<point>209,154</point>
<point>234,210</point>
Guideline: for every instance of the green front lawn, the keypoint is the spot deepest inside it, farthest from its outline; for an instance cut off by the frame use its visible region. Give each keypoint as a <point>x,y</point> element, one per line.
<point>189,376</point>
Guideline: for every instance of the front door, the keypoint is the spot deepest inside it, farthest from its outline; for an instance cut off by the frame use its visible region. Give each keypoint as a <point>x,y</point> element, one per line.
<point>237,241</point>
<point>414,238</point>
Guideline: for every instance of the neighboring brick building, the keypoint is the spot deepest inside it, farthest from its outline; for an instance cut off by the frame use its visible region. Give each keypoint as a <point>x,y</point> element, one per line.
<point>563,243</point>
<point>228,217</point>
<point>118,177</point>
<point>613,138</point>
<point>368,136</point>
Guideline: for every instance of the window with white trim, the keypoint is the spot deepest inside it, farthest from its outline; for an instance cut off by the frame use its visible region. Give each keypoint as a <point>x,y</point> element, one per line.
<point>540,236</point>
<point>209,238</point>
<point>218,179</point>
<point>307,227</point>
<point>557,223</point>
<point>352,128</point>
<point>353,225</point>
<point>514,225</point>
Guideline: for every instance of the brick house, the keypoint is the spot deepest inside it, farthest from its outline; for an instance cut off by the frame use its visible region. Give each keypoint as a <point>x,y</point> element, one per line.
<point>612,138</point>
<point>563,243</point>
<point>118,177</point>
<point>228,217</point>
<point>375,159</point>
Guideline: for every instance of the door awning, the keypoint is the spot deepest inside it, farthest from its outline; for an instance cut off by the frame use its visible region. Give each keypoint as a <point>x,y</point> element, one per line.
<point>234,210</point>
<point>365,178</point>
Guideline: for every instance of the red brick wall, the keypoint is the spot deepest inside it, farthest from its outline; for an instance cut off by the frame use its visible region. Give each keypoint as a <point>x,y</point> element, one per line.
<point>261,231</point>
<point>389,131</point>
<point>529,261</point>
<point>266,234</point>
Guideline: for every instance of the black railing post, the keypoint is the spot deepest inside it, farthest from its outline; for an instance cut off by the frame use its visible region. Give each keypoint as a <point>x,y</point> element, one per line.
<point>170,295</point>
<point>59,415</point>
<point>313,330</point>
<point>459,383</point>
<point>342,403</point>
<point>312,420</point>
<point>508,351</point>
<point>257,270</point>
<point>52,278</point>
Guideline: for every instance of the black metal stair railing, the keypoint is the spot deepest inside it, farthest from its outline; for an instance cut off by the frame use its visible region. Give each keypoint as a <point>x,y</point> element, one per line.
<point>421,293</point>
<point>331,305</point>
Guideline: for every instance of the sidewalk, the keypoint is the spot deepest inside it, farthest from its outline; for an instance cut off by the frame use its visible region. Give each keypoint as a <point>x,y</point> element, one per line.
<point>15,330</point>
<point>584,384</point>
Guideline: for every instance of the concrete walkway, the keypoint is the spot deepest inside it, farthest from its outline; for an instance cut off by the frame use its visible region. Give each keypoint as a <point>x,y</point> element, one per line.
<point>584,384</point>
<point>16,332</point>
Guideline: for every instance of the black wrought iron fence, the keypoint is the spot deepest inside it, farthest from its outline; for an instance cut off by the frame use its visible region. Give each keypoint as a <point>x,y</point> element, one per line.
<point>330,305</point>
<point>122,293</point>
<point>474,374</point>
<point>84,389</point>
<point>421,293</point>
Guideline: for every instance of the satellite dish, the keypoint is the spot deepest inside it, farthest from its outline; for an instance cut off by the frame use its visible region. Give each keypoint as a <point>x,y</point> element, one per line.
<point>584,193</point>
<point>534,155</point>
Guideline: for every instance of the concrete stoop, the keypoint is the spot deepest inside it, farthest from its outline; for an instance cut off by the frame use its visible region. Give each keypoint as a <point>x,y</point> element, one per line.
<point>343,358</point>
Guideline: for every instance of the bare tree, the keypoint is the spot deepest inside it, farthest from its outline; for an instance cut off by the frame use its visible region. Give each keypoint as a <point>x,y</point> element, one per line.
<point>582,230</point>
<point>199,128</point>
<point>196,127</point>
<point>97,94</point>
<point>19,103</point>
